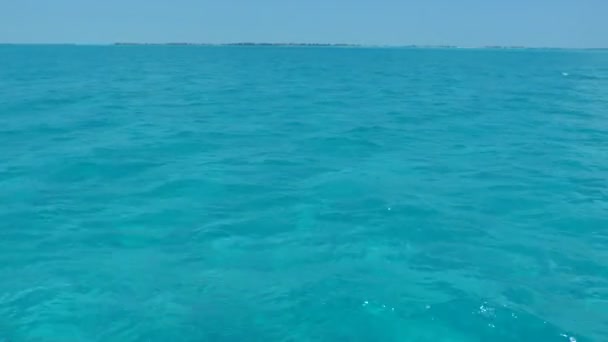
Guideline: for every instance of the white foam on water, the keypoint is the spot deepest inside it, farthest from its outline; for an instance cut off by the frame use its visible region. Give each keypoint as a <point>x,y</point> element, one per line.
<point>570,338</point>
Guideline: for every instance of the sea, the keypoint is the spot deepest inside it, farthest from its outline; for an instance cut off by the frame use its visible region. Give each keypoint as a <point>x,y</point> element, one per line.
<point>204,193</point>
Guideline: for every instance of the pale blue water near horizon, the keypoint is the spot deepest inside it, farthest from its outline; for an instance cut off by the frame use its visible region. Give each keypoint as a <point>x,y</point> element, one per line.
<point>303,194</point>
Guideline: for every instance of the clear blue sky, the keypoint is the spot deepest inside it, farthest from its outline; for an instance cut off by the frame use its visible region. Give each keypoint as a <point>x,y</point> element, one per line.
<point>560,23</point>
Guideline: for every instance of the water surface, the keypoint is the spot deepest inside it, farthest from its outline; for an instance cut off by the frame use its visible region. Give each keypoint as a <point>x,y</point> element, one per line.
<point>303,194</point>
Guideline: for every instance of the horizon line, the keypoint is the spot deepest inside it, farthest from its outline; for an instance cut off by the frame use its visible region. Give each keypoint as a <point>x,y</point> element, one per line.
<point>298,44</point>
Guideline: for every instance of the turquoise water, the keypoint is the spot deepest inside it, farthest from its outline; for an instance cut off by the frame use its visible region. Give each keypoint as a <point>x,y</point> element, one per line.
<point>303,194</point>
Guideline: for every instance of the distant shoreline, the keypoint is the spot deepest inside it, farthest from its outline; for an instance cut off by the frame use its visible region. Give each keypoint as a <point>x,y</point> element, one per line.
<point>317,45</point>
<point>250,44</point>
<point>240,44</point>
<point>330,45</point>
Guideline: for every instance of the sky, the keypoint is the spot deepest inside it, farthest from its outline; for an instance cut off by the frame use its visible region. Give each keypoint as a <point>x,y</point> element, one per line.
<point>468,23</point>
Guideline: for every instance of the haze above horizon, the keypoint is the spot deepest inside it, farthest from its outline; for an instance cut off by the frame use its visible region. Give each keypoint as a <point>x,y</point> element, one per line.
<point>470,23</point>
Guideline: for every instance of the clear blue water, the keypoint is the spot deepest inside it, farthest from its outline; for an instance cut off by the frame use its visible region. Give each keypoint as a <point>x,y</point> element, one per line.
<point>303,194</point>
